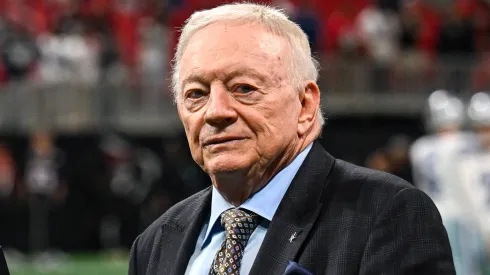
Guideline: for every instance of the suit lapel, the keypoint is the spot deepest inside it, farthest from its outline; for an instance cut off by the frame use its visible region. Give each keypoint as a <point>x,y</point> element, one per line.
<point>177,238</point>
<point>296,215</point>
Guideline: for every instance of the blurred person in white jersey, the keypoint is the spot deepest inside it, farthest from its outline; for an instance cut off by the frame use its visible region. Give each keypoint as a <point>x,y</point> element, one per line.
<point>444,121</point>
<point>434,160</point>
<point>474,177</point>
<point>479,117</point>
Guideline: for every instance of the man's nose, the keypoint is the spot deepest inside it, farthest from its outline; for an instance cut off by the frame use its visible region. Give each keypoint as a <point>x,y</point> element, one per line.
<point>220,112</point>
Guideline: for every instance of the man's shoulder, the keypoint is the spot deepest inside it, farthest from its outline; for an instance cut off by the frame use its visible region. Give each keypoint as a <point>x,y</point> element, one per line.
<point>371,188</point>
<point>370,178</point>
<point>171,216</point>
<point>357,182</point>
<point>386,214</point>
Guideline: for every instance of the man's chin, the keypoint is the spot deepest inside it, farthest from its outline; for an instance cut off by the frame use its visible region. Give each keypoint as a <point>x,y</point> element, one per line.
<point>225,164</point>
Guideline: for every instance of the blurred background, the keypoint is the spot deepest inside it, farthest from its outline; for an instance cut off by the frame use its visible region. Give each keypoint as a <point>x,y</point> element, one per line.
<point>91,148</point>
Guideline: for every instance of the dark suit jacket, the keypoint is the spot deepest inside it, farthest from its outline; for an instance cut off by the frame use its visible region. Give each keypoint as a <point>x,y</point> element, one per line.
<point>348,220</point>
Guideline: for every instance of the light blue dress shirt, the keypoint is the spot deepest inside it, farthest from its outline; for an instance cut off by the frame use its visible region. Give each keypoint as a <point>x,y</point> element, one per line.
<point>264,203</point>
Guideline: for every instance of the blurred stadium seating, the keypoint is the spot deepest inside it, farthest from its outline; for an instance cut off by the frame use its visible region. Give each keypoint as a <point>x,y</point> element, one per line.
<point>84,95</point>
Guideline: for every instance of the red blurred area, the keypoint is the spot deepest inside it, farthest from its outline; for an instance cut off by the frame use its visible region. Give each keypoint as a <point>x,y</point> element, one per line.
<point>336,18</point>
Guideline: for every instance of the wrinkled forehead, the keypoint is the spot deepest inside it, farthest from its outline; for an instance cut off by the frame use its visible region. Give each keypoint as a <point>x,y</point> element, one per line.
<point>221,47</point>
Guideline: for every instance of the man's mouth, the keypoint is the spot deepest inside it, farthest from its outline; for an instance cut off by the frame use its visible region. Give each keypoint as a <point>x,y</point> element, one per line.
<point>221,140</point>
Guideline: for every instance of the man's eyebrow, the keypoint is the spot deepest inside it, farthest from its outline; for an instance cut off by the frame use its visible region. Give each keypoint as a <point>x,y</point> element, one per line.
<point>193,77</point>
<point>226,77</point>
<point>246,72</point>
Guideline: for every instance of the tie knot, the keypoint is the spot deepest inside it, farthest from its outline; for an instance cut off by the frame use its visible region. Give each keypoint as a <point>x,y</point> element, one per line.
<point>239,224</point>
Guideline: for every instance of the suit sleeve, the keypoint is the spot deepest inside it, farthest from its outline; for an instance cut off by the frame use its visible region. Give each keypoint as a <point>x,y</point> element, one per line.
<point>133,262</point>
<point>408,238</point>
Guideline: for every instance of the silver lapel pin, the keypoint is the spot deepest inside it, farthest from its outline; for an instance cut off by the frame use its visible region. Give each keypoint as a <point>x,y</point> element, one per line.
<point>293,236</point>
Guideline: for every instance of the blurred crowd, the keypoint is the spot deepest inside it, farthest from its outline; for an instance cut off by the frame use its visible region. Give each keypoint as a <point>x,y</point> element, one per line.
<point>399,41</point>
<point>81,41</point>
<point>414,41</point>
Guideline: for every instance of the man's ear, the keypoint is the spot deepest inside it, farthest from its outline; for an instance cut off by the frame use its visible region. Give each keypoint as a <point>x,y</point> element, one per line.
<point>309,98</point>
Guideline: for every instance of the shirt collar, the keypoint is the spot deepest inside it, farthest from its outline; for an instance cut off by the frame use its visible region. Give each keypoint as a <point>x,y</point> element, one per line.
<point>263,203</point>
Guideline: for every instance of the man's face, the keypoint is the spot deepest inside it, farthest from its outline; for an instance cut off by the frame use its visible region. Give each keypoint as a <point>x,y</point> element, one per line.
<point>239,110</point>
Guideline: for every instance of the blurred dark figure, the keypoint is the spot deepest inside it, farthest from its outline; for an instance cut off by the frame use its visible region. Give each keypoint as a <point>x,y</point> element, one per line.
<point>134,172</point>
<point>456,48</point>
<point>134,168</point>
<point>70,21</point>
<point>413,61</point>
<point>307,19</point>
<point>456,35</point>
<point>8,173</point>
<point>479,12</point>
<point>389,5</point>
<point>8,211</point>
<point>44,180</point>
<point>393,158</point>
<point>18,51</point>
<point>397,154</point>
<point>108,54</point>
<point>378,161</point>
<point>108,61</point>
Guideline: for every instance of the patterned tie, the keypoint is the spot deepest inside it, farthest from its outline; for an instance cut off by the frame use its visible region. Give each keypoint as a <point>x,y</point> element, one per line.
<point>239,225</point>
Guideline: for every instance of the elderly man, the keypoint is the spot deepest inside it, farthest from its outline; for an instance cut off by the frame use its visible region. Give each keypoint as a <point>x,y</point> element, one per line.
<point>244,83</point>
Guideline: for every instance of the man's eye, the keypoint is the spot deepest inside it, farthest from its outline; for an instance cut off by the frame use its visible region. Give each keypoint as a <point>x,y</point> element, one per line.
<point>244,89</point>
<point>195,94</point>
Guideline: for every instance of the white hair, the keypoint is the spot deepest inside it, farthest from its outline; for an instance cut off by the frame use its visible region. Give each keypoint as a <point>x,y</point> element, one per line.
<point>303,65</point>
